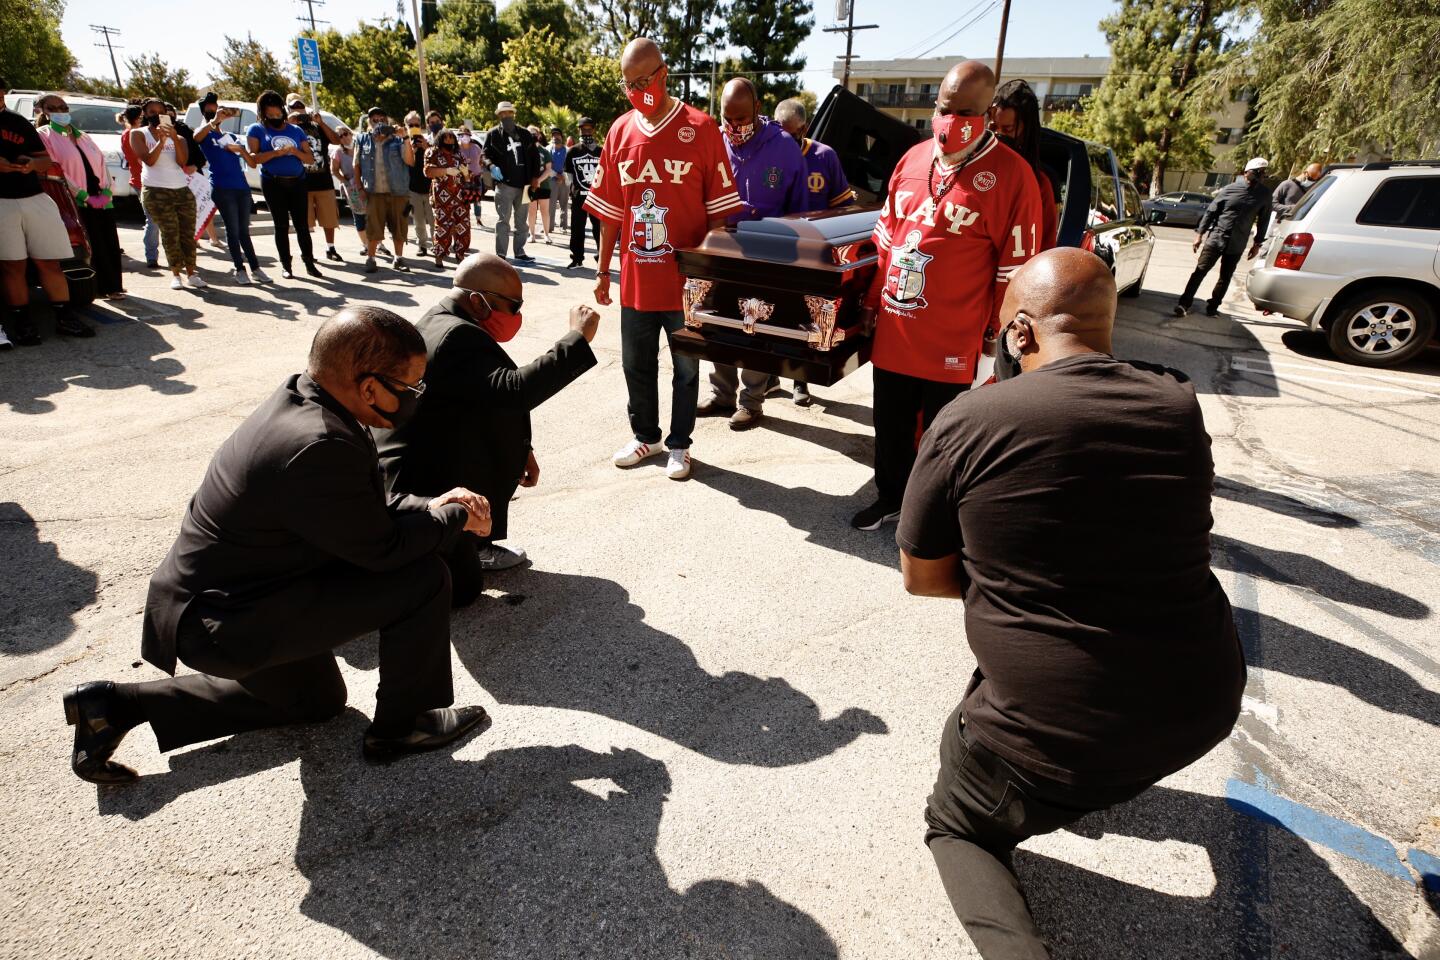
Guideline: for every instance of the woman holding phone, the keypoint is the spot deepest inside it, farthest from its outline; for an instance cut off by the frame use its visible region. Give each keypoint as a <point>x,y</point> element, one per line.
<point>165,191</point>
<point>228,187</point>
<point>283,152</point>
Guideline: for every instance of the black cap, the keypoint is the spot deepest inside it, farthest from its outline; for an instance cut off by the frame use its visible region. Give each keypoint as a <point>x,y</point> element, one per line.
<point>374,110</point>
<point>585,122</point>
<point>210,97</point>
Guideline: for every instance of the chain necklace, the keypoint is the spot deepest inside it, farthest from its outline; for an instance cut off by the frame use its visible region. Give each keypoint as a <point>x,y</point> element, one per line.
<point>953,177</point>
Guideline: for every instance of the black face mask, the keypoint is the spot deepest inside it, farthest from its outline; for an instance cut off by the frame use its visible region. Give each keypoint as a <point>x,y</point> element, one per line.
<point>588,139</point>
<point>275,123</point>
<point>402,414</point>
<point>1009,141</point>
<point>1007,364</point>
<point>153,120</point>
<point>210,115</point>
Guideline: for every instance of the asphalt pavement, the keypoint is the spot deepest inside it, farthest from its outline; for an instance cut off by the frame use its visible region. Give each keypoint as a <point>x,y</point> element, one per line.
<point>715,710</point>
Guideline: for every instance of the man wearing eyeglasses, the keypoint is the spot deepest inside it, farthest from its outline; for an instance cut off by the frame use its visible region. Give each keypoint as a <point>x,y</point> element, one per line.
<point>662,183</point>
<point>473,430</point>
<point>289,549</point>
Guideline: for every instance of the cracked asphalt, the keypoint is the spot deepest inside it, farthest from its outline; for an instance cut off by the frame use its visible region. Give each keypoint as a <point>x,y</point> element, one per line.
<point>715,711</point>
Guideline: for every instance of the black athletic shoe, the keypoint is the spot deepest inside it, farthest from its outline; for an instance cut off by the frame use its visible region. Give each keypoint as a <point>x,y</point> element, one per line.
<point>72,326</point>
<point>312,269</point>
<point>1212,311</point>
<point>875,516</point>
<point>333,254</point>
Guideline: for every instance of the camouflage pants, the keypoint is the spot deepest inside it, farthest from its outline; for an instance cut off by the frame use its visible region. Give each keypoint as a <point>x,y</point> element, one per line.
<point>172,209</point>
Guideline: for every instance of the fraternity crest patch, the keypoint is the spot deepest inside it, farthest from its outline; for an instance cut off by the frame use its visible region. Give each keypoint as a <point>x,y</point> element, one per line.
<point>984,180</point>
<point>772,177</point>
<point>905,276</point>
<point>686,134</point>
<point>647,228</point>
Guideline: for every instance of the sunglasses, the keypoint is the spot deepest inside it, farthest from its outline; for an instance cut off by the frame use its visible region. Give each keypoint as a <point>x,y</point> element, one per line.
<point>416,388</point>
<point>515,304</point>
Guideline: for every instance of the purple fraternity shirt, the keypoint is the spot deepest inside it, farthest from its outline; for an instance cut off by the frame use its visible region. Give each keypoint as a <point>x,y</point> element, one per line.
<point>825,183</point>
<point>769,173</point>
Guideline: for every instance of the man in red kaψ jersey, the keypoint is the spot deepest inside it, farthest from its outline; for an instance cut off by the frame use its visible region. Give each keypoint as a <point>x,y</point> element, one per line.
<point>663,182</point>
<point>962,214</point>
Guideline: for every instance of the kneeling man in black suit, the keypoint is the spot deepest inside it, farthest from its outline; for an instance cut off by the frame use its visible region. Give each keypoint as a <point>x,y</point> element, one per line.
<point>474,429</point>
<point>289,549</point>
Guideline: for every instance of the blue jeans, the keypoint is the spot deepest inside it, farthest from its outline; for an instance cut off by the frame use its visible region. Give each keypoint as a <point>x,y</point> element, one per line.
<point>234,206</point>
<point>640,356</point>
<point>152,241</point>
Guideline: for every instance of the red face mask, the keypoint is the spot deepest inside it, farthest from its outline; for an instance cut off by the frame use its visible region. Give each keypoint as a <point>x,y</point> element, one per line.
<point>955,133</point>
<point>502,326</point>
<point>648,100</point>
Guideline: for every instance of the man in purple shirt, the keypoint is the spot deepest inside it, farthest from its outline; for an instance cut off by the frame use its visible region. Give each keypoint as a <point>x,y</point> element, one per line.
<point>825,183</point>
<point>770,178</point>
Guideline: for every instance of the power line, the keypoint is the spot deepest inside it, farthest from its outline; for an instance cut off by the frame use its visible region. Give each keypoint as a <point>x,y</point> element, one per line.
<point>968,24</point>
<point>107,33</point>
<point>904,54</point>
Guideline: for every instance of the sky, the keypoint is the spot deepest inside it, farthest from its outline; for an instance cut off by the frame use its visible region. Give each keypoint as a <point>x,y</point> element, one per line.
<point>1038,28</point>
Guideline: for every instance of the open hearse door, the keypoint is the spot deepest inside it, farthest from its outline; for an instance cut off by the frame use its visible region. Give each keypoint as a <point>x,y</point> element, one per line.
<point>783,294</point>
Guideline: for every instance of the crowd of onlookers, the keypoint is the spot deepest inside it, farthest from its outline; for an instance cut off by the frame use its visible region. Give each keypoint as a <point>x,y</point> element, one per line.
<point>420,181</point>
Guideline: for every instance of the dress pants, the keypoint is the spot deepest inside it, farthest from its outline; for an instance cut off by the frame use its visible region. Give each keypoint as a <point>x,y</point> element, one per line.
<point>579,216</point>
<point>104,248</point>
<point>424,216</point>
<point>273,664</point>
<point>981,809</point>
<point>1208,257</point>
<point>640,357</point>
<point>467,578</point>
<point>725,380</point>
<point>904,405</point>
<point>289,203</point>
<point>510,205</point>
<point>559,212</point>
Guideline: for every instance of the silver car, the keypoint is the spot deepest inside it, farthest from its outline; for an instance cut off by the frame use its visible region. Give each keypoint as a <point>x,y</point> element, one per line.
<point>1177,209</point>
<point>1360,259</point>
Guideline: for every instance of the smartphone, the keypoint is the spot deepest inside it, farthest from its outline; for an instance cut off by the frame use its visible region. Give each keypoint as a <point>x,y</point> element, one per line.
<point>416,132</point>
<point>165,120</point>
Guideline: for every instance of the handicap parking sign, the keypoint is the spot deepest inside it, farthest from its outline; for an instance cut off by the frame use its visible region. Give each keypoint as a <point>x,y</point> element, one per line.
<point>309,60</point>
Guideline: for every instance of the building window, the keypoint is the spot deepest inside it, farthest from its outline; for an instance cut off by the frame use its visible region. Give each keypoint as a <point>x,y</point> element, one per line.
<point>862,89</point>
<point>922,124</point>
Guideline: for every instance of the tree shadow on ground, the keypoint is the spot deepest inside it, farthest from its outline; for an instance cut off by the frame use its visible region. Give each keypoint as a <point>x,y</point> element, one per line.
<point>1272,894</point>
<point>578,643</point>
<point>538,852</point>
<point>40,591</point>
<point>120,357</point>
<point>1239,491</point>
<point>1297,569</point>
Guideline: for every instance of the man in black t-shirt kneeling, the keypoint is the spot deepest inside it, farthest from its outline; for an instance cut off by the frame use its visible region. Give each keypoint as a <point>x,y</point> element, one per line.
<point>1070,509</point>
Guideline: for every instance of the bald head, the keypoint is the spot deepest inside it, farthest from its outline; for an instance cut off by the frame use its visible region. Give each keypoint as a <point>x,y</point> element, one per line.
<point>642,55</point>
<point>739,101</point>
<point>486,271</point>
<point>363,339</point>
<point>1063,302</point>
<point>967,89</point>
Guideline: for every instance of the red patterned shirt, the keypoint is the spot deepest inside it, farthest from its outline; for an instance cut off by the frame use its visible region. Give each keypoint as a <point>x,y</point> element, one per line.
<point>949,237</point>
<point>662,184</point>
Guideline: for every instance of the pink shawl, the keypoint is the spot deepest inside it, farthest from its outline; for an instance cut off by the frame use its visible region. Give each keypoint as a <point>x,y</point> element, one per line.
<point>65,151</point>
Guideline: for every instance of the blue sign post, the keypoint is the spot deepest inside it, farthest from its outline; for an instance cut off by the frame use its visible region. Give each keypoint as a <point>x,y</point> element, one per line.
<point>309,60</point>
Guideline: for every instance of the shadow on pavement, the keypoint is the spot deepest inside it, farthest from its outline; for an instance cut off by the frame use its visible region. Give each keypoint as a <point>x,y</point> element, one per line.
<point>1301,653</point>
<point>40,591</point>
<point>539,852</point>
<point>1297,569</point>
<point>1315,345</point>
<point>1273,895</point>
<point>1241,492</point>
<point>119,358</point>
<point>578,643</point>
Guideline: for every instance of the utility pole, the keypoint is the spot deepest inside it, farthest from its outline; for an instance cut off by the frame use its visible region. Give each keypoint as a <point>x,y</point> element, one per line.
<point>846,9</point>
<point>420,59</point>
<point>1000,48</point>
<point>107,33</point>
<point>314,35</point>
<point>714,79</point>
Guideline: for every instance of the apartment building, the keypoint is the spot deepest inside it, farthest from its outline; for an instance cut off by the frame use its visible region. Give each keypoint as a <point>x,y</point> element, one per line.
<point>907,89</point>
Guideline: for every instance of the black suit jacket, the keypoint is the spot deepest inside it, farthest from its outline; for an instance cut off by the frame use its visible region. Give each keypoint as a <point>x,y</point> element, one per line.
<point>294,490</point>
<point>472,428</point>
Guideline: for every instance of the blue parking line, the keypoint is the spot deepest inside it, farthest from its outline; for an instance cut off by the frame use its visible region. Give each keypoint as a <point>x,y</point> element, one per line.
<point>1428,866</point>
<point>1345,838</point>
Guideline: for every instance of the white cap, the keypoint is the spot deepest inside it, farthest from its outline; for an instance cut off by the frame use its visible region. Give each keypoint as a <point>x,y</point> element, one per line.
<point>503,106</point>
<point>1257,163</point>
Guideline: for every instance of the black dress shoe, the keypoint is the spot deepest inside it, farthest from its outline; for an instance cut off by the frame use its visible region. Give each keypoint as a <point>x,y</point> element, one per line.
<point>26,334</point>
<point>73,326</point>
<point>312,269</point>
<point>87,709</point>
<point>333,254</point>
<point>433,729</point>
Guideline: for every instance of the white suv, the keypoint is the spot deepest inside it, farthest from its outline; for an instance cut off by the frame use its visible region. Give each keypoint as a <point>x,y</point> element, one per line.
<point>95,116</point>
<point>1360,259</point>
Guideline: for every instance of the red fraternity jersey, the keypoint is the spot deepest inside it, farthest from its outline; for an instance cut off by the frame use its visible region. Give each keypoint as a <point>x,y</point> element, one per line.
<point>949,237</point>
<point>662,185</point>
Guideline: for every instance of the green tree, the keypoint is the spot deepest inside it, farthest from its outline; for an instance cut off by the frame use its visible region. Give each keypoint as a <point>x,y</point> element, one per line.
<point>467,36</point>
<point>246,69</point>
<point>1337,78</point>
<point>537,74</point>
<point>768,32</point>
<point>560,17</point>
<point>95,86</point>
<point>617,22</point>
<point>689,31</point>
<point>1078,122</point>
<point>1154,107</point>
<point>151,76</point>
<point>370,66</point>
<point>32,54</point>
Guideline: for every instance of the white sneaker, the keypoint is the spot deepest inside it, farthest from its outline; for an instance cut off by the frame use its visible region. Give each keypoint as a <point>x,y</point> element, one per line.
<point>258,275</point>
<point>678,467</point>
<point>241,277</point>
<point>177,284</point>
<point>5,343</point>
<point>495,556</point>
<point>633,452</point>
<point>195,282</point>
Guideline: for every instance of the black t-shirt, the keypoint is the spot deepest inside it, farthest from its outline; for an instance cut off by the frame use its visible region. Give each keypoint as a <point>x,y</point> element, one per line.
<point>317,174</point>
<point>419,183</point>
<point>1078,499</point>
<point>18,140</point>
<point>581,162</point>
